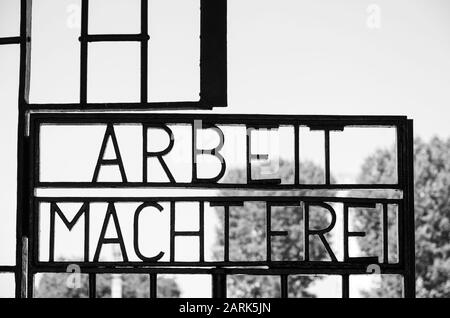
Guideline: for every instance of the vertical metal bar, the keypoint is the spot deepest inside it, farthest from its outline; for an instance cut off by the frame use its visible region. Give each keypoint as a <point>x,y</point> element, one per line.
<point>248,152</point>
<point>219,285</point>
<point>35,128</point>
<point>408,217</point>
<point>194,151</point>
<point>32,233</point>
<point>306,232</point>
<point>51,244</point>
<point>35,233</point>
<point>226,231</point>
<point>297,154</point>
<point>345,222</point>
<point>268,232</point>
<point>213,53</point>
<point>144,51</point>
<point>153,285</point>
<point>22,224</point>
<point>202,231</point>
<point>385,234</point>
<point>400,155</point>
<point>92,285</point>
<point>25,52</point>
<point>84,51</point>
<point>284,286</point>
<point>172,231</point>
<point>33,203</point>
<point>345,286</point>
<point>86,231</point>
<point>327,156</point>
<point>144,153</point>
<point>24,269</point>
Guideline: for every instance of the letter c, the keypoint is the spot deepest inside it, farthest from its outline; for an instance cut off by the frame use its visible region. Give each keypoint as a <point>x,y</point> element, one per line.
<point>136,232</point>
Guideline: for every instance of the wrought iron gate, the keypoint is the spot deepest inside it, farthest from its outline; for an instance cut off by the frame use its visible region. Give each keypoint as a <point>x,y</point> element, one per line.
<point>213,93</point>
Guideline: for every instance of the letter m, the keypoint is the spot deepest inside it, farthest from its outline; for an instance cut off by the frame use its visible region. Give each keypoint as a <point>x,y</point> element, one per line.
<point>55,210</point>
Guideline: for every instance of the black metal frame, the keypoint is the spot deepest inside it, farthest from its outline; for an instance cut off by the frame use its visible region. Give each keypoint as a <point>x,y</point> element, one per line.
<point>213,93</point>
<point>251,122</point>
<point>24,41</point>
<point>213,60</point>
<point>220,269</point>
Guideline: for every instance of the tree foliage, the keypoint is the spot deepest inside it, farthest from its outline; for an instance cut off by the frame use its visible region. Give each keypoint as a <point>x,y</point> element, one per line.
<point>432,215</point>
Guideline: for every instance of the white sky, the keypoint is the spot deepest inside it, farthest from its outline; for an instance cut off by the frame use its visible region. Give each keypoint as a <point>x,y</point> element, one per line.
<point>285,57</point>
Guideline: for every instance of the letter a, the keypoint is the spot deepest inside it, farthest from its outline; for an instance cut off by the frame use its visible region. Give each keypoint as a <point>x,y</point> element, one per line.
<point>109,162</point>
<point>111,212</point>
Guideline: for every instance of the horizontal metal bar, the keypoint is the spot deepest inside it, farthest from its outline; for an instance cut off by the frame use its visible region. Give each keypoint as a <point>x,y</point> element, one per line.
<point>316,127</point>
<point>114,38</point>
<point>187,233</point>
<point>8,269</point>
<point>10,40</point>
<point>224,119</point>
<point>209,185</point>
<point>279,199</point>
<point>182,105</point>
<point>304,268</point>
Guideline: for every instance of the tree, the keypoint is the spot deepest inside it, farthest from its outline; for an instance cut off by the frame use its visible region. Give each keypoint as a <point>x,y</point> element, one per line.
<point>54,285</point>
<point>432,215</point>
<point>247,234</point>
<point>378,168</point>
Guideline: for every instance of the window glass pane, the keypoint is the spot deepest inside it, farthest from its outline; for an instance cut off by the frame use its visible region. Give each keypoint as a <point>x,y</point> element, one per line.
<point>55,51</point>
<point>114,16</point>
<point>9,18</point>
<point>114,72</point>
<point>174,50</point>
<point>7,286</point>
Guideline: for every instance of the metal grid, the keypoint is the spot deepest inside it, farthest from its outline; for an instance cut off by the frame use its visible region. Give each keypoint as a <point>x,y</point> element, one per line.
<point>213,60</point>
<point>213,93</point>
<point>221,269</point>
